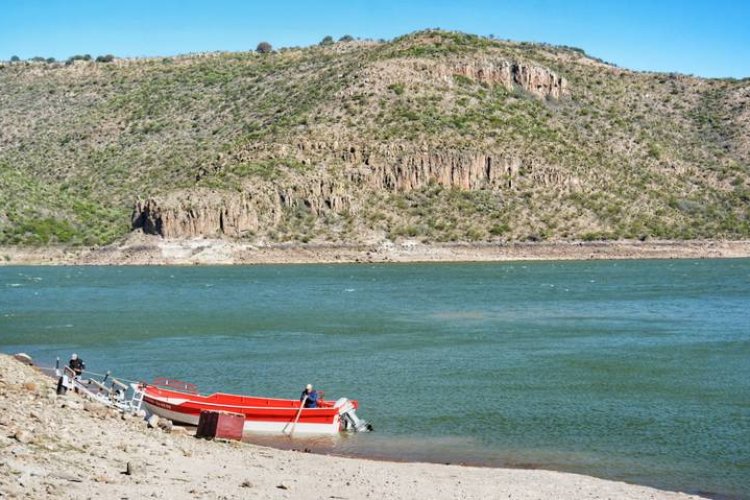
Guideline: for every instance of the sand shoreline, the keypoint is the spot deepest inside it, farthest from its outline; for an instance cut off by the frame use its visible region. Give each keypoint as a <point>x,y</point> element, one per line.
<point>64,445</point>
<point>139,249</point>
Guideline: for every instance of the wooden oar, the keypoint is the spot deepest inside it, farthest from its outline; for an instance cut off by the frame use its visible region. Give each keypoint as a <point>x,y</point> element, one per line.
<point>299,413</point>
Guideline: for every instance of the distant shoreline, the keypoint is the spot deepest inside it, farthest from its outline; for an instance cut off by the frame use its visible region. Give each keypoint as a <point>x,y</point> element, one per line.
<point>139,249</point>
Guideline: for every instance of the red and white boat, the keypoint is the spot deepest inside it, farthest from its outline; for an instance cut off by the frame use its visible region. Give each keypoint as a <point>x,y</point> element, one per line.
<point>261,414</point>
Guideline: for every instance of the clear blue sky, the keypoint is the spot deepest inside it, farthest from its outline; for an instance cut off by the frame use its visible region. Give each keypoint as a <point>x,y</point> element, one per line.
<point>702,37</point>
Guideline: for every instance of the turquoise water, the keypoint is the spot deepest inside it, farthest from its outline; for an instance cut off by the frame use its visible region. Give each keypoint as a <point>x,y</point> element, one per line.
<point>635,370</point>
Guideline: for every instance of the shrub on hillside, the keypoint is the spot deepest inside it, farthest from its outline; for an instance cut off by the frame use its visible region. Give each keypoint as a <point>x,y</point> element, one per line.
<point>397,88</point>
<point>263,48</point>
<point>346,38</point>
<point>105,59</point>
<point>327,40</point>
<point>78,57</point>
<point>14,59</point>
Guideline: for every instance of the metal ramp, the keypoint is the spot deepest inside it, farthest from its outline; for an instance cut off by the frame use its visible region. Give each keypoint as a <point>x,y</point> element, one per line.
<point>136,400</point>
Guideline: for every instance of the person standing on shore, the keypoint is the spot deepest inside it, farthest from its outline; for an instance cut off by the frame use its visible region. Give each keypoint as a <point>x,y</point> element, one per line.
<point>309,397</point>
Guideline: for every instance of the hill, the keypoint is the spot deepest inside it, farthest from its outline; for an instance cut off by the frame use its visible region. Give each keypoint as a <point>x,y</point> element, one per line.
<point>437,136</point>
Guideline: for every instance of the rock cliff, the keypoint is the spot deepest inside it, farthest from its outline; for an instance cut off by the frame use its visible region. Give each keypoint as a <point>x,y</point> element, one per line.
<point>537,80</point>
<point>534,79</point>
<point>395,168</point>
<point>202,212</point>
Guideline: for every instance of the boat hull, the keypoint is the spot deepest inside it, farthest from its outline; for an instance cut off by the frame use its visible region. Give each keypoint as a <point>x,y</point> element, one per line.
<point>261,414</point>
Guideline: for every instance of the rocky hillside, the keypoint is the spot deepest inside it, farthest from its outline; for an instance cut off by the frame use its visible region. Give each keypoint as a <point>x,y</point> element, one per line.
<point>436,136</point>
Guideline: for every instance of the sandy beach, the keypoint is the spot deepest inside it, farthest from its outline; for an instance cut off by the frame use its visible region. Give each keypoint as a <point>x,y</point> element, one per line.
<point>140,249</point>
<point>67,447</point>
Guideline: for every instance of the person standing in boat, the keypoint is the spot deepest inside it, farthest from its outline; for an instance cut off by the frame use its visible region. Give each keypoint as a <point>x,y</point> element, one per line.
<point>76,364</point>
<point>309,397</point>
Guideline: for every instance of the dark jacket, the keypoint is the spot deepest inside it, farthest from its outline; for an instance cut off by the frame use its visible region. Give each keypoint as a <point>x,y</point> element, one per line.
<point>77,365</point>
<point>312,398</point>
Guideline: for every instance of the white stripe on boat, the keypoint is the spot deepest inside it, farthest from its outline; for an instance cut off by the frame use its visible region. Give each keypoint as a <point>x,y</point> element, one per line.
<point>252,425</point>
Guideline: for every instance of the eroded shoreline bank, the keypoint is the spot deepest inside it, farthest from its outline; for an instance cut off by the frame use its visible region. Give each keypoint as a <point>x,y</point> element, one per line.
<point>139,249</point>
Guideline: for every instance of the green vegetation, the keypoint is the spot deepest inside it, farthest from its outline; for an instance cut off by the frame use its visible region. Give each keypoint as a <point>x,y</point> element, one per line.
<point>35,212</point>
<point>369,138</point>
<point>263,48</point>
<point>78,57</point>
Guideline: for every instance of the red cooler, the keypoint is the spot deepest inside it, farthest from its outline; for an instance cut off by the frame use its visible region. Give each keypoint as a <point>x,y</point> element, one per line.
<point>220,424</point>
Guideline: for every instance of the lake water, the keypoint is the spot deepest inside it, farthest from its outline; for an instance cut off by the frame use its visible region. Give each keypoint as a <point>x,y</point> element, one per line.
<point>630,370</point>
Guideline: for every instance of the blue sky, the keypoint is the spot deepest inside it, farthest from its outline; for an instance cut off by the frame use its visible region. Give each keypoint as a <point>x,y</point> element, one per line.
<point>707,38</point>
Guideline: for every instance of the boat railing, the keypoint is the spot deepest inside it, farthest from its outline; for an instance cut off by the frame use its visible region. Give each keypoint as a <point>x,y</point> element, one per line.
<point>119,393</point>
<point>177,385</point>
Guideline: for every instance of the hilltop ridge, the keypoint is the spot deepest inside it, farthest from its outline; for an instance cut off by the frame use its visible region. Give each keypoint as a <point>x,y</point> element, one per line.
<point>439,136</point>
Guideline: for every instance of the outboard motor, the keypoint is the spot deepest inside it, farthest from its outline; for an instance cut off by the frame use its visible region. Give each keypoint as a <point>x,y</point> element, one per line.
<point>349,418</point>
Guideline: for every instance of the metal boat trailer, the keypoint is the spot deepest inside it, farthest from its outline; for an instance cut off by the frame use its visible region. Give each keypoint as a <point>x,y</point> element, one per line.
<point>109,391</point>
